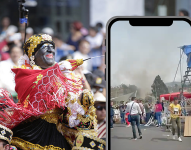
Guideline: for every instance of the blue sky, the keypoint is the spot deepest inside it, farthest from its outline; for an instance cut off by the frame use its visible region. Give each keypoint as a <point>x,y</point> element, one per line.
<point>138,54</point>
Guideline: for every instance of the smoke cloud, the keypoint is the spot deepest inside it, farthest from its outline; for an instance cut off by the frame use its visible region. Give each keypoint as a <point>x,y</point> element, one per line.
<point>138,56</point>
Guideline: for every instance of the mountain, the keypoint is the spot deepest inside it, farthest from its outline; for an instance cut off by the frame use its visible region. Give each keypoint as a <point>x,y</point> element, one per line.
<point>173,83</point>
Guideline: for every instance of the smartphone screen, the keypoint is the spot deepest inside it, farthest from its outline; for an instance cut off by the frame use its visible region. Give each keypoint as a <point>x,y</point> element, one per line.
<point>148,78</point>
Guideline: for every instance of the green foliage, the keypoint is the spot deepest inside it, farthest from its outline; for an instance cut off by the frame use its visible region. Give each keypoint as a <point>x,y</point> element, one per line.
<point>158,87</point>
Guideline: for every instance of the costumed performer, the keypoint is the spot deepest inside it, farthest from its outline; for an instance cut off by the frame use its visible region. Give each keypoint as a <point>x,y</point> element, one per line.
<point>53,111</point>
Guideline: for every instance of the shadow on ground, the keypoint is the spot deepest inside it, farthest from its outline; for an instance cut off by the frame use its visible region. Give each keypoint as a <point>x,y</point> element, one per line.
<point>161,139</point>
<point>127,138</point>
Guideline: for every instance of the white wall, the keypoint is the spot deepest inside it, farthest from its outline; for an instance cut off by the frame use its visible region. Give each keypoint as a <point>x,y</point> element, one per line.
<point>103,10</point>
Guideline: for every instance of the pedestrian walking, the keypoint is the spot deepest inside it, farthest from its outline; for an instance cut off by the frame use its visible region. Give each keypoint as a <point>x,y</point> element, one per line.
<point>175,110</point>
<point>134,111</point>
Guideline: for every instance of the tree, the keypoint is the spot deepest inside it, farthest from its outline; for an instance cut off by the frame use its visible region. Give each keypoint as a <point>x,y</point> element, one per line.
<point>158,87</point>
<point>125,89</point>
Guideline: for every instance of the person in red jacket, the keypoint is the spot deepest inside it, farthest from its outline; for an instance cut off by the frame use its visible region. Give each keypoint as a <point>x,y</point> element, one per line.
<point>158,110</point>
<point>126,119</point>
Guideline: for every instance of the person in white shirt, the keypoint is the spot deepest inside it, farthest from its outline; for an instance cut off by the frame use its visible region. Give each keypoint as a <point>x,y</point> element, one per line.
<point>6,75</point>
<point>134,111</point>
<point>84,49</point>
<point>94,38</point>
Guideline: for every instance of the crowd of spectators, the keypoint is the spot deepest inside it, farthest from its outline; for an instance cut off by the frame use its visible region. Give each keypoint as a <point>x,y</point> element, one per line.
<point>82,43</point>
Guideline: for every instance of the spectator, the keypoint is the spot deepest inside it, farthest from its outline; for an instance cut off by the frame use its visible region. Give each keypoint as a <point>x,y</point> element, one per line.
<point>95,39</point>
<point>158,110</point>
<point>122,114</point>
<point>15,39</point>
<point>84,31</point>
<point>82,53</point>
<point>91,80</point>
<point>142,109</point>
<point>148,107</point>
<point>99,73</point>
<point>76,34</point>
<point>99,27</point>
<point>7,41</point>
<point>126,119</point>
<point>183,12</point>
<point>101,30</point>
<point>29,32</point>
<point>100,105</point>
<point>48,30</point>
<point>62,49</point>
<point>4,26</point>
<point>99,86</point>
<point>6,76</point>
<point>111,115</point>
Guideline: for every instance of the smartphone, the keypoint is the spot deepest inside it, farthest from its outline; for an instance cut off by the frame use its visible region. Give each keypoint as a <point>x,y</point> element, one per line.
<point>148,61</point>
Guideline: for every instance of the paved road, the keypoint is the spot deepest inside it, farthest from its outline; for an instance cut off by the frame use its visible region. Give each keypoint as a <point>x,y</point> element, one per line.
<point>153,139</point>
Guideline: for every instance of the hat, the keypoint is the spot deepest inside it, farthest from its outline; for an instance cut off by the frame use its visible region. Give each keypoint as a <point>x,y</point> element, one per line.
<point>99,82</point>
<point>33,44</point>
<point>99,73</point>
<point>5,134</point>
<point>90,78</point>
<point>99,97</point>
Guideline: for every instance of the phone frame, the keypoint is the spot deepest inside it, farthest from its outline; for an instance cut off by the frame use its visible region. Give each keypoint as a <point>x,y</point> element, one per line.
<point>108,60</point>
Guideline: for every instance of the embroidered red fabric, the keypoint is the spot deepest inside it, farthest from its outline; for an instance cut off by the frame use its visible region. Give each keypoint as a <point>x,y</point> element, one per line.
<point>38,91</point>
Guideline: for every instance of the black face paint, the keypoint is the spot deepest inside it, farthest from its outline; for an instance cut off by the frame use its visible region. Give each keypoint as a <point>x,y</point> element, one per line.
<point>45,56</point>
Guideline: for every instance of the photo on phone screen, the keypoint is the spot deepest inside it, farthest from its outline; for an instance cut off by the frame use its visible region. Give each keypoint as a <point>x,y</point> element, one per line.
<point>149,72</point>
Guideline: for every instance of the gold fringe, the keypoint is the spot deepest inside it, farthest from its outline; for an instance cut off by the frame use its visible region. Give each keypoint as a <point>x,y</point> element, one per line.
<point>68,133</point>
<point>50,116</point>
<point>81,148</point>
<point>25,145</point>
<point>92,137</point>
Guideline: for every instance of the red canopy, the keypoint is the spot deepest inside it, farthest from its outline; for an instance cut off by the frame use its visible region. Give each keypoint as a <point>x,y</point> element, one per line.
<point>172,95</point>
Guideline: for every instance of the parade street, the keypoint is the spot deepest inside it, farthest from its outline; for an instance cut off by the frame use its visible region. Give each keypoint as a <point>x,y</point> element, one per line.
<point>153,139</point>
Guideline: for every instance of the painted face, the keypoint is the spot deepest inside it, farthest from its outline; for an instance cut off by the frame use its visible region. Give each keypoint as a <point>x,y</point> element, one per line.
<point>45,56</point>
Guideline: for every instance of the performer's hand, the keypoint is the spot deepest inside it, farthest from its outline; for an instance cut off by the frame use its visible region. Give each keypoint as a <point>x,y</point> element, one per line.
<point>79,71</point>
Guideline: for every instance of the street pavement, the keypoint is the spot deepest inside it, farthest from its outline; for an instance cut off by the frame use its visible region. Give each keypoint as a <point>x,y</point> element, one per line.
<point>153,139</point>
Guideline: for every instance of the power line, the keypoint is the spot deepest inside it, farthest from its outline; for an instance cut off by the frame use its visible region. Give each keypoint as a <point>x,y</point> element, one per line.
<point>178,66</point>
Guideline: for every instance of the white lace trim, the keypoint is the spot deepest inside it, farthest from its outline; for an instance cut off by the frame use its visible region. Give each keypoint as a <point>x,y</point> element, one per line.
<point>22,60</point>
<point>75,109</point>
